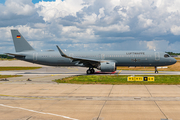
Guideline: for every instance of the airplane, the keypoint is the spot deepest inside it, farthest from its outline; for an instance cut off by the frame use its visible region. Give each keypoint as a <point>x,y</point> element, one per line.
<point>105,61</point>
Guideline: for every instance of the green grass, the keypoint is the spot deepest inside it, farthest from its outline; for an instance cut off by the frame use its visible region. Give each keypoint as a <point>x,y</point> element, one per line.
<point>7,59</point>
<point>120,80</point>
<point>18,68</point>
<point>8,76</point>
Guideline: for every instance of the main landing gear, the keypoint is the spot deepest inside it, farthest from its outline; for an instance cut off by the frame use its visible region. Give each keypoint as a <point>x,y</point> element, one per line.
<point>90,71</point>
<point>156,71</point>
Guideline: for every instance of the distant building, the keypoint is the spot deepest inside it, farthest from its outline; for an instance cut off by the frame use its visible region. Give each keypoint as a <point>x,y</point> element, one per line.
<point>175,55</point>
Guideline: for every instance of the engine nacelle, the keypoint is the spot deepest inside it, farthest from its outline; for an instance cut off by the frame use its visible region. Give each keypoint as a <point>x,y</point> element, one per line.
<point>107,67</point>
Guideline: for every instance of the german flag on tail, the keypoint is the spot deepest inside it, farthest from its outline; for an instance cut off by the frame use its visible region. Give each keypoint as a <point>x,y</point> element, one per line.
<point>18,36</point>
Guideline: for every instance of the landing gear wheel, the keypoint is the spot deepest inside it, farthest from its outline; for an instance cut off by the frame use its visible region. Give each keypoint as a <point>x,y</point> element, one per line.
<point>92,71</point>
<point>88,71</point>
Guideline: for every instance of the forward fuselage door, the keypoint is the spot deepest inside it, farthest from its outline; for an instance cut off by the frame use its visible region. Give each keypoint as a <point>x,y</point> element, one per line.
<point>157,56</point>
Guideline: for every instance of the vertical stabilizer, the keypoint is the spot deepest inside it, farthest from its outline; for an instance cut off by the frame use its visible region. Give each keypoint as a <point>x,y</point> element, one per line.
<point>20,43</point>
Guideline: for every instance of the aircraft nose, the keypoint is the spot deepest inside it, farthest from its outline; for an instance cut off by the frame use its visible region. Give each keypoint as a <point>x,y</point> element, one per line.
<point>174,61</point>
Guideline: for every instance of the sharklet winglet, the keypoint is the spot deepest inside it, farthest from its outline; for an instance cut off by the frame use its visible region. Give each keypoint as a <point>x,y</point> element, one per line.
<point>61,52</point>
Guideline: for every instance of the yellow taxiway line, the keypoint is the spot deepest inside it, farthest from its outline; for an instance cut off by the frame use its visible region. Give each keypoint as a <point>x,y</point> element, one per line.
<point>119,72</point>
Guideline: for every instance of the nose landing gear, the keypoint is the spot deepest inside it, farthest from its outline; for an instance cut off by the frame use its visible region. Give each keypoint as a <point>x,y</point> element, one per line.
<point>156,71</point>
<point>90,71</point>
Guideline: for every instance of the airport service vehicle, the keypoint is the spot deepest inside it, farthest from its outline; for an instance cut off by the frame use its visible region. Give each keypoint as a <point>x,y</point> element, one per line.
<point>105,61</point>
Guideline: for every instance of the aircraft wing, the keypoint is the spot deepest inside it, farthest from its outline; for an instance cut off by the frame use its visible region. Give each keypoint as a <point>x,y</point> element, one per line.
<point>85,61</point>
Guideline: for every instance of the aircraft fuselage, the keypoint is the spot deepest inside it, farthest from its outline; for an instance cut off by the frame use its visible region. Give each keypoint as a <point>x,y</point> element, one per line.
<point>121,58</point>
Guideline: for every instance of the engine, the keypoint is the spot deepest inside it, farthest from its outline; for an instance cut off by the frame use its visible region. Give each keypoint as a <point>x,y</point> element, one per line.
<point>107,67</point>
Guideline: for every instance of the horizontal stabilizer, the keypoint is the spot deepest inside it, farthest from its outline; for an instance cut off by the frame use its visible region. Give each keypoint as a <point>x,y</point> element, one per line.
<point>16,55</point>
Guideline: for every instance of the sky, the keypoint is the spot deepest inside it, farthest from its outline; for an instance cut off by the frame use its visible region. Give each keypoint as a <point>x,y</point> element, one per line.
<point>92,25</point>
<point>33,1</point>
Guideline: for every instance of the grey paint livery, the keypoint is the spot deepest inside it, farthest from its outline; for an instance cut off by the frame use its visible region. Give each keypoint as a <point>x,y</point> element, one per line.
<point>106,61</point>
<point>20,43</point>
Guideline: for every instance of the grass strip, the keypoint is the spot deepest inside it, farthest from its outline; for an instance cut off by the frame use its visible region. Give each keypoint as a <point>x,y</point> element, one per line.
<point>120,80</point>
<point>8,76</point>
<point>18,68</point>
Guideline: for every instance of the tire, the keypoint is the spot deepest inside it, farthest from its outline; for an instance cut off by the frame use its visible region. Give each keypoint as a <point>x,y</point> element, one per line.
<point>92,71</point>
<point>88,71</point>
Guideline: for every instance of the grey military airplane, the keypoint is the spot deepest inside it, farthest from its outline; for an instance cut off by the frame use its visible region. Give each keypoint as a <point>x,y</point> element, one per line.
<point>105,61</point>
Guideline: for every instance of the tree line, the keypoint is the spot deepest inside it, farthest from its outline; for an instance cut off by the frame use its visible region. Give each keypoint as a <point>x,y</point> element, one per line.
<point>3,56</point>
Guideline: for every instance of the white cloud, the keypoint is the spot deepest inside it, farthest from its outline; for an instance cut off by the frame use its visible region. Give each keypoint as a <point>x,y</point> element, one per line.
<point>56,9</point>
<point>144,22</point>
<point>77,34</point>
<point>101,13</point>
<point>158,45</point>
<point>29,34</point>
<point>19,7</point>
<point>161,45</point>
<point>89,19</point>
<point>175,30</point>
<point>114,28</point>
<point>5,33</point>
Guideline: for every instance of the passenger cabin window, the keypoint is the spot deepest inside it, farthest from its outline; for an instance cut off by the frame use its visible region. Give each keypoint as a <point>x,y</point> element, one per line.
<point>166,55</point>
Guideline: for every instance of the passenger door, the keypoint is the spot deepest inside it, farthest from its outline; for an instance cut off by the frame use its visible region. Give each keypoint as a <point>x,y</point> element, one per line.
<point>157,56</point>
<point>35,56</point>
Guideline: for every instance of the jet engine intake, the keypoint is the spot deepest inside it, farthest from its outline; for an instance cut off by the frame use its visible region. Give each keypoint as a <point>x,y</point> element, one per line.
<point>107,67</point>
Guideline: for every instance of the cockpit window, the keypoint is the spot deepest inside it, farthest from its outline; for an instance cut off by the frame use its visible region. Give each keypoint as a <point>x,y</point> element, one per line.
<point>166,55</point>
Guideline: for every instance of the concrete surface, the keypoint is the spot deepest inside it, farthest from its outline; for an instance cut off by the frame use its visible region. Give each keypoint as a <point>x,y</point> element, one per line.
<point>20,63</point>
<point>42,99</point>
<point>34,101</point>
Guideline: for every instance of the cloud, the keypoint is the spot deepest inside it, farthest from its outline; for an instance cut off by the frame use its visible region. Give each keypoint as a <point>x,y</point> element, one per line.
<point>58,9</point>
<point>175,30</point>
<point>101,13</point>
<point>144,22</point>
<point>19,7</point>
<point>114,28</point>
<point>18,12</point>
<point>93,24</point>
<point>156,44</point>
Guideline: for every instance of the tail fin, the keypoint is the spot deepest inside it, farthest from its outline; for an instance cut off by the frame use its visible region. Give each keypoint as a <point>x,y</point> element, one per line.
<point>20,43</point>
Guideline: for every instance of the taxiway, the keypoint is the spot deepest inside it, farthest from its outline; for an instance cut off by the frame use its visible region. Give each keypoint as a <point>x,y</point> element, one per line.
<point>43,99</point>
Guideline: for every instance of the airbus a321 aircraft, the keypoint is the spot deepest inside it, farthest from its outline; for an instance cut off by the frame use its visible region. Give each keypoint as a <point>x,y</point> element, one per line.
<point>105,61</point>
